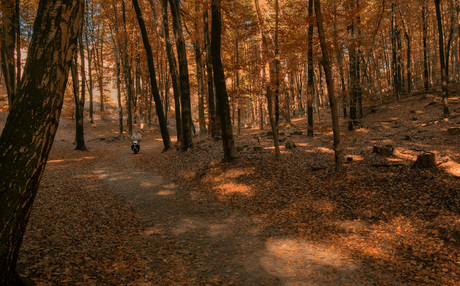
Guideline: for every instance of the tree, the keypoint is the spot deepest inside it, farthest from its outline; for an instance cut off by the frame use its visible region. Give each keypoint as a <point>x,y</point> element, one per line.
<point>153,81</point>
<point>187,123</point>
<point>213,124</point>
<point>127,73</point>
<point>9,32</point>
<point>269,94</point>
<point>219,82</point>
<point>79,98</point>
<point>310,71</point>
<point>32,123</point>
<point>442,59</point>
<point>326,62</point>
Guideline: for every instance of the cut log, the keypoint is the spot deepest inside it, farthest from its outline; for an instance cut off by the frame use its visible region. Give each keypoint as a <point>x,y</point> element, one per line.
<point>425,161</point>
<point>386,150</point>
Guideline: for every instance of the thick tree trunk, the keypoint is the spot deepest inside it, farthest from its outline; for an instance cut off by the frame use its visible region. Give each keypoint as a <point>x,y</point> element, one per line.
<point>186,108</point>
<point>32,123</point>
<point>153,81</point>
<point>330,88</point>
<point>445,93</point>
<point>219,82</point>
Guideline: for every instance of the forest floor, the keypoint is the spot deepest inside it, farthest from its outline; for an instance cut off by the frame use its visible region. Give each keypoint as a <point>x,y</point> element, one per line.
<point>109,217</point>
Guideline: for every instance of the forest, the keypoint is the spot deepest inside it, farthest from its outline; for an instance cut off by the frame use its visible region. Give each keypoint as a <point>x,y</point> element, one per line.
<point>294,142</point>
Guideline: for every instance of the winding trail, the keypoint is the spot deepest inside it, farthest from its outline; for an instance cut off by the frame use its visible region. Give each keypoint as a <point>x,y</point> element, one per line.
<point>198,241</point>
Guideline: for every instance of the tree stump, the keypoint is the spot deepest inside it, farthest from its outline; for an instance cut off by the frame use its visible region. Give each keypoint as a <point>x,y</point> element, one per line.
<point>386,150</point>
<point>258,148</point>
<point>454,131</point>
<point>290,144</point>
<point>425,161</point>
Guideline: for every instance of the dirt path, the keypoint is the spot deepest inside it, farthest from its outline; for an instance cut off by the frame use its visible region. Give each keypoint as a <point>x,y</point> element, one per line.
<point>211,243</point>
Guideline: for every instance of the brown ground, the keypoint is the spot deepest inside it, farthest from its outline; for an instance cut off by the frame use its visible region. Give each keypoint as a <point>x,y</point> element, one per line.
<point>109,217</point>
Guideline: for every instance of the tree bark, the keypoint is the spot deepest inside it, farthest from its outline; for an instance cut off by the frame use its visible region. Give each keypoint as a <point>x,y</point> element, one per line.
<point>425,57</point>
<point>8,44</point>
<point>394,48</point>
<point>445,93</point>
<point>269,94</point>
<point>213,121</point>
<point>330,88</point>
<point>186,108</point>
<point>310,87</point>
<point>172,70</point>
<point>79,99</point>
<point>199,77</point>
<point>32,123</point>
<point>153,81</point>
<point>219,82</point>
<point>127,74</point>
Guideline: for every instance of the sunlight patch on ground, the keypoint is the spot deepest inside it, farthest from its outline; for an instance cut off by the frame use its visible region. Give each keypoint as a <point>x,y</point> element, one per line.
<point>166,193</point>
<point>148,184</point>
<point>71,160</point>
<point>301,263</point>
<point>452,168</point>
<point>232,187</point>
<point>325,150</point>
<point>218,230</point>
<point>55,161</point>
<point>184,226</point>
<point>187,174</point>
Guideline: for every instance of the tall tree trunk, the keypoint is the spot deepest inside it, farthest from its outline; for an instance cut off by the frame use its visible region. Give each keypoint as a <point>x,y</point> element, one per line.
<point>269,94</point>
<point>127,73</point>
<point>277,66</point>
<point>80,100</point>
<point>339,56</point>
<point>219,82</point>
<point>153,81</point>
<point>213,121</point>
<point>425,57</point>
<point>330,88</point>
<point>187,123</point>
<point>34,118</point>
<point>101,75</point>
<point>445,94</point>
<point>7,46</point>
<point>120,106</point>
<point>90,83</point>
<point>117,52</point>
<point>172,70</point>
<point>394,48</point>
<point>199,77</point>
<point>310,87</point>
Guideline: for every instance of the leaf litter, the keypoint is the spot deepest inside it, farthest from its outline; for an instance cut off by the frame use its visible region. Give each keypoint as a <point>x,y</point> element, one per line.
<point>398,224</point>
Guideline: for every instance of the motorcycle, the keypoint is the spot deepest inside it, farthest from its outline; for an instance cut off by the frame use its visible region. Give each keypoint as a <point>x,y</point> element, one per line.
<point>135,146</point>
<point>135,143</point>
